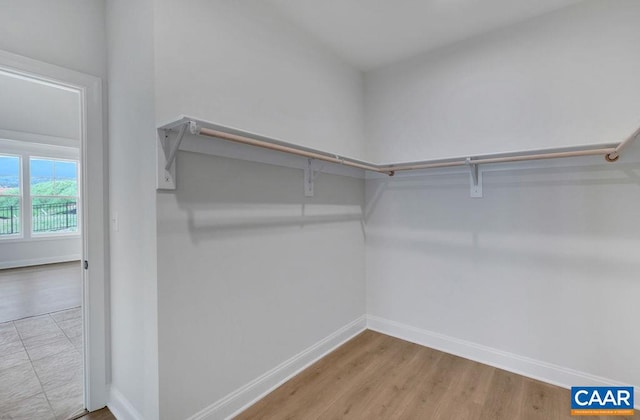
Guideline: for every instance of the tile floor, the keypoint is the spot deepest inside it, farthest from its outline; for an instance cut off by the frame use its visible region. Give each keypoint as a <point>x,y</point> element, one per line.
<point>41,367</point>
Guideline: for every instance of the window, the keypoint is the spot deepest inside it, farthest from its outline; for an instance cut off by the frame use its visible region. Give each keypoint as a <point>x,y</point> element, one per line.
<point>54,195</point>
<point>10,196</point>
<point>39,191</point>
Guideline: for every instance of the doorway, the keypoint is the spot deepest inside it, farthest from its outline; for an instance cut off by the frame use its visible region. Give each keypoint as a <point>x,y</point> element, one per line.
<point>41,249</point>
<point>52,240</point>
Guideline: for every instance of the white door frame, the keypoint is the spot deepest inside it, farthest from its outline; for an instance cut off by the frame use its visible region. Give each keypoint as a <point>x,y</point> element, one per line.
<point>94,203</point>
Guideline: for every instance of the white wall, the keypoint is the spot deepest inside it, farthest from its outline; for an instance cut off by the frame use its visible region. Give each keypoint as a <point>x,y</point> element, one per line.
<point>245,282</point>
<point>54,34</point>
<point>32,107</point>
<point>35,252</point>
<point>545,265</point>
<point>567,78</point>
<point>28,108</point>
<point>133,201</point>
<point>68,33</point>
<point>240,64</point>
<point>71,34</point>
<point>251,273</point>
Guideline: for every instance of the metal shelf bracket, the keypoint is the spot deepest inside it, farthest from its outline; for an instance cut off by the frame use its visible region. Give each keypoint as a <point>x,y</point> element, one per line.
<point>167,151</point>
<point>475,178</point>
<point>309,178</point>
<point>168,146</point>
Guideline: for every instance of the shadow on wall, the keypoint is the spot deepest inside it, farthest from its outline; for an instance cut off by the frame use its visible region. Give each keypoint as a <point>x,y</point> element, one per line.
<point>564,216</point>
<point>545,265</point>
<point>212,225</point>
<point>550,173</point>
<point>221,197</point>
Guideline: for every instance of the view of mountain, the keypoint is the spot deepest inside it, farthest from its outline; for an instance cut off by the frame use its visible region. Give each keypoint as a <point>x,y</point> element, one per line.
<point>41,171</point>
<point>9,181</point>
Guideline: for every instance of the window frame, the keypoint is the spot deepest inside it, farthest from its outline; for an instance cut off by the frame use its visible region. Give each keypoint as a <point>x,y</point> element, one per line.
<point>20,196</point>
<point>27,146</point>
<point>35,234</point>
<point>91,147</point>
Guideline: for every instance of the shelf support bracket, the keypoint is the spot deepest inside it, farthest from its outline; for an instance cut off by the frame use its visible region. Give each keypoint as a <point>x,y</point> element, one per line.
<point>174,148</point>
<point>309,178</point>
<point>167,150</point>
<point>475,179</point>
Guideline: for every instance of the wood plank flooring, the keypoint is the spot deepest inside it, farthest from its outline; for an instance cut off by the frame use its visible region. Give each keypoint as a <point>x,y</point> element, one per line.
<point>103,414</point>
<point>31,291</point>
<point>374,376</point>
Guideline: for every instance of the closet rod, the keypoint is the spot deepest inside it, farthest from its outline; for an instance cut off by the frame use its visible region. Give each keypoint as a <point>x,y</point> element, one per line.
<point>291,150</point>
<point>611,154</point>
<point>504,159</point>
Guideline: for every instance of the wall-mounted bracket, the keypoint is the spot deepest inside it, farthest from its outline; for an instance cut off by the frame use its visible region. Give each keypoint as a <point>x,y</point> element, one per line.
<point>167,151</point>
<point>309,178</point>
<point>475,179</point>
<point>173,150</point>
<point>194,128</point>
<point>168,144</point>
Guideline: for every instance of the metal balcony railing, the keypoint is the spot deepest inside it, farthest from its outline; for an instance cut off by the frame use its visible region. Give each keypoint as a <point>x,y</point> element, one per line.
<point>58,217</point>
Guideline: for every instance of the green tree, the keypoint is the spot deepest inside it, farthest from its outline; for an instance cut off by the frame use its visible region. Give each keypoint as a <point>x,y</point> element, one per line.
<point>49,188</point>
<point>59,188</point>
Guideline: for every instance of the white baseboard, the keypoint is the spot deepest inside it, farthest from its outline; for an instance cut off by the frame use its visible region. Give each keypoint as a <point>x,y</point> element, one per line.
<point>40,261</point>
<point>120,407</point>
<point>535,369</point>
<point>242,398</point>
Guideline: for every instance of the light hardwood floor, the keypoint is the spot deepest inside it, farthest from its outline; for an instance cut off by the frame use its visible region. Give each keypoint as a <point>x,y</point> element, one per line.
<point>31,291</point>
<point>103,414</point>
<point>374,376</point>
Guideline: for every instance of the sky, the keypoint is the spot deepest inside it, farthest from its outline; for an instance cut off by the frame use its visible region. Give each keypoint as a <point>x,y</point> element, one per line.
<point>8,166</point>
<point>40,168</point>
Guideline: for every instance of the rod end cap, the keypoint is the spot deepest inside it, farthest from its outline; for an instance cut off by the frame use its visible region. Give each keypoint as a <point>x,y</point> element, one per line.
<point>612,157</point>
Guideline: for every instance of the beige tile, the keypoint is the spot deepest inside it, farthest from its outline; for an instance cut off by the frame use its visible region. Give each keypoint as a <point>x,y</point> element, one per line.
<point>73,313</point>
<point>69,412</point>
<point>13,359</point>
<point>34,321</point>
<point>42,339</point>
<point>10,347</point>
<point>59,369</point>
<point>32,408</point>
<point>8,333</point>
<point>37,325</point>
<point>66,400</point>
<point>73,331</point>
<point>18,383</point>
<point>78,343</point>
<point>70,323</point>
<point>71,327</point>
<point>52,348</point>
<point>6,326</point>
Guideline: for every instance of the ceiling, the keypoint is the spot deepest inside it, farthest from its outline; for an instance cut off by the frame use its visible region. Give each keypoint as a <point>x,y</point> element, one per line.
<point>372,33</point>
<point>31,106</point>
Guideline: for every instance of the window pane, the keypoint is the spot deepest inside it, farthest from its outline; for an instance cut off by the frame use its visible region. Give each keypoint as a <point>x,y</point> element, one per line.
<point>54,215</point>
<point>41,171</point>
<point>66,178</point>
<point>9,175</point>
<point>9,215</point>
<point>54,178</point>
